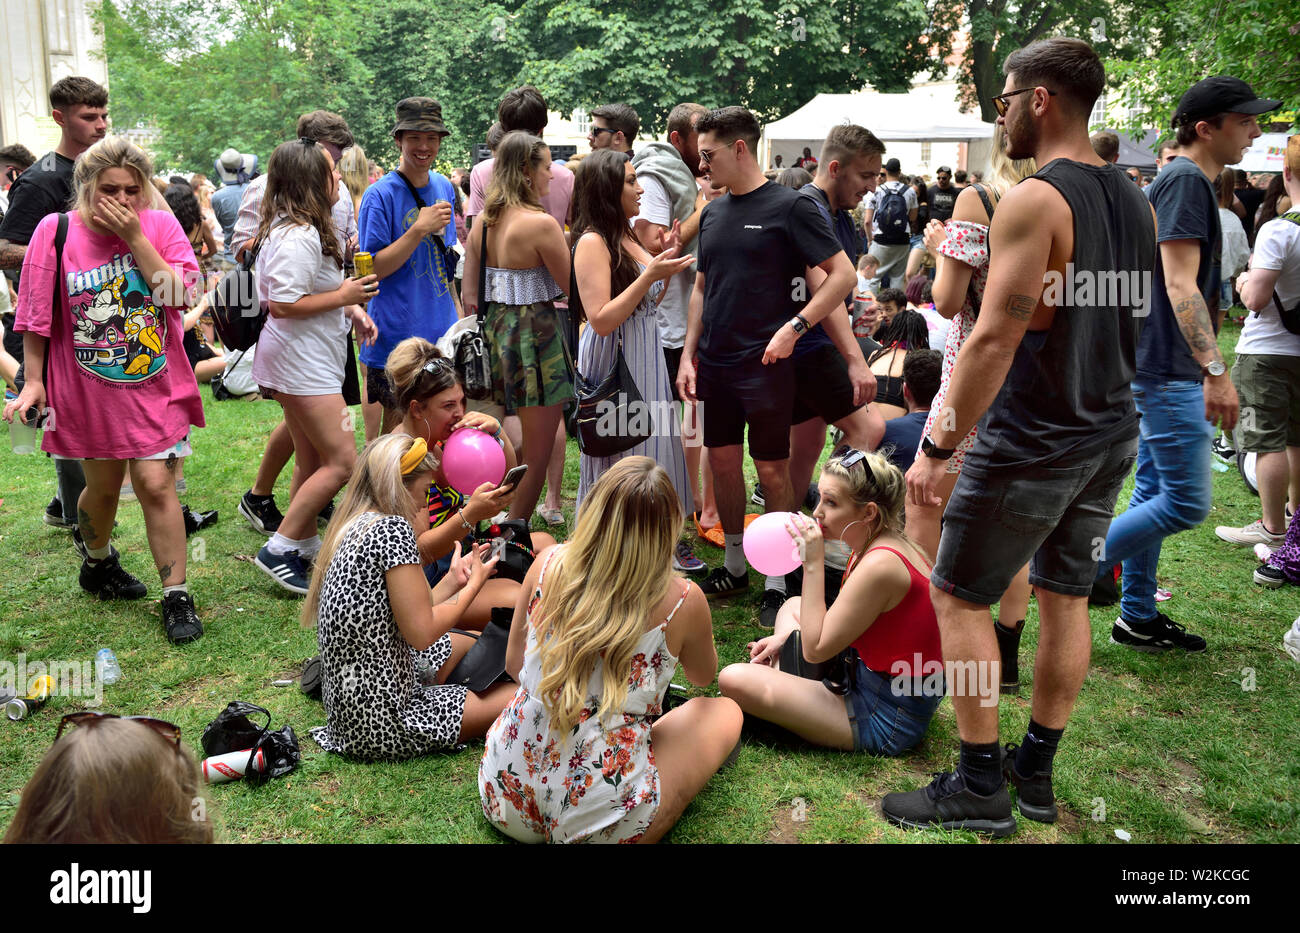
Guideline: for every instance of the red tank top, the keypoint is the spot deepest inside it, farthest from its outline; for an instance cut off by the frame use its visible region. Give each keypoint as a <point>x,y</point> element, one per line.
<point>904,632</point>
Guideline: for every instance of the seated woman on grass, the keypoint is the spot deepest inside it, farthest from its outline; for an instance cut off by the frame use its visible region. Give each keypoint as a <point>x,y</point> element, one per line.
<point>379,627</point>
<point>428,393</point>
<point>881,609</point>
<point>584,752</point>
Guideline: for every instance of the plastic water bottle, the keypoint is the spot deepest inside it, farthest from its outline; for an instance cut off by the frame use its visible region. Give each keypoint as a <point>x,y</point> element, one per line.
<point>106,662</point>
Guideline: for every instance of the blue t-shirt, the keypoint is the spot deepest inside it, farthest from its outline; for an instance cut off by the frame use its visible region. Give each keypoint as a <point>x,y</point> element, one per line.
<point>415,301</point>
<point>904,435</point>
<point>1186,209</point>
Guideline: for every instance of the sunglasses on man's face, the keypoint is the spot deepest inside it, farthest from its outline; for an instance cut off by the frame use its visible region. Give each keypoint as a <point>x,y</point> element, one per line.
<point>597,130</point>
<point>168,731</point>
<point>1003,101</point>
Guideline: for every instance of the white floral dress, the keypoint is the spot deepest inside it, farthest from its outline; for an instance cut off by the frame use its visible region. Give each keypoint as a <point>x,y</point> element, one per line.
<point>594,783</point>
<point>969,243</point>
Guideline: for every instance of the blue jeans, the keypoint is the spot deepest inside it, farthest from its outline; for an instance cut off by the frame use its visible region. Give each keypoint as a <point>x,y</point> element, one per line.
<point>1171,492</point>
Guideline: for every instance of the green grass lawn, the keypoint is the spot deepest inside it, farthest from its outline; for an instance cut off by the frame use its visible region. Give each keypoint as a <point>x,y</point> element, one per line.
<point>1175,748</point>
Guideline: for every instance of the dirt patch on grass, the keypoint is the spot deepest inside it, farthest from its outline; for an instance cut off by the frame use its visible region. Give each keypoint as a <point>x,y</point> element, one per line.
<point>213,693</point>
<point>1185,791</point>
<point>785,828</point>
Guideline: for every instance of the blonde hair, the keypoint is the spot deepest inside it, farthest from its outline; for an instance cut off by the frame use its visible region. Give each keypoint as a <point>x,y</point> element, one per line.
<point>376,485</point>
<point>112,781</point>
<point>510,185</point>
<point>874,480</point>
<point>354,168</point>
<point>602,585</point>
<point>1005,172</point>
<point>111,152</point>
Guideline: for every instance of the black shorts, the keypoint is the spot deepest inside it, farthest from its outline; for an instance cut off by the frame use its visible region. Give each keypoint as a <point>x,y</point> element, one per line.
<point>13,341</point>
<point>377,388</point>
<point>673,360</point>
<point>1054,517</point>
<point>195,350</point>
<point>754,394</point>
<point>821,386</point>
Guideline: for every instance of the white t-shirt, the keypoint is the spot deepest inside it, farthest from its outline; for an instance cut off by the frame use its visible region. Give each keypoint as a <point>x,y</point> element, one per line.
<point>1277,247</point>
<point>938,326</point>
<point>299,356</point>
<point>657,209</point>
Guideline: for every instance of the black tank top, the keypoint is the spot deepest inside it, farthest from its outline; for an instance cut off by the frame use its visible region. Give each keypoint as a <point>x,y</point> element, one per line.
<point>1068,391</point>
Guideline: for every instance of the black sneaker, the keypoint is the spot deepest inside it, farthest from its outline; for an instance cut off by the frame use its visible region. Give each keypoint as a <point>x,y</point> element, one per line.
<point>79,543</point>
<point>285,569</point>
<point>261,513</point>
<point>719,583</point>
<point>949,804</point>
<point>54,515</point>
<point>757,497</point>
<point>197,521</point>
<point>179,618</point>
<point>1034,796</point>
<point>324,515</point>
<point>1222,448</point>
<point>1156,636</point>
<point>1270,577</point>
<point>771,604</point>
<point>1009,649</point>
<point>310,680</point>
<point>107,580</point>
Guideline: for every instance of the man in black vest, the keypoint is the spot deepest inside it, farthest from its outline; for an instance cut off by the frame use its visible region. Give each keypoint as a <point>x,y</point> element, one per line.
<point>1051,359</point>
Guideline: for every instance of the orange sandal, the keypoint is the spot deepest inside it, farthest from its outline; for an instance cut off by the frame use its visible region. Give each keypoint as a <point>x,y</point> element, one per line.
<point>714,535</point>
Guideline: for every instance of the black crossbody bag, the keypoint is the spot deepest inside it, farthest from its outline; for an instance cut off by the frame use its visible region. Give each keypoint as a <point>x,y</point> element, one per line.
<point>611,415</point>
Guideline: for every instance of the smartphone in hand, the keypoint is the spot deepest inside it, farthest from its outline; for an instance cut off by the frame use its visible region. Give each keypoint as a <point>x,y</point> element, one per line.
<point>513,477</point>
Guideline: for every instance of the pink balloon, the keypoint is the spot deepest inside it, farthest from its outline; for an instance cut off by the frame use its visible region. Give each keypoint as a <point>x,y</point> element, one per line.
<point>471,458</point>
<point>768,546</point>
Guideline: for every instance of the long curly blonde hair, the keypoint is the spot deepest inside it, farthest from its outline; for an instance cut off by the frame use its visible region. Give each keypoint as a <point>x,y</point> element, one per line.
<point>601,586</point>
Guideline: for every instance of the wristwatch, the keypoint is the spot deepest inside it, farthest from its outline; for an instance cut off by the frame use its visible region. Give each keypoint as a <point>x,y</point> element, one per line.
<point>935,453</point>
<point>800,324</point>
<point>1214,367</point>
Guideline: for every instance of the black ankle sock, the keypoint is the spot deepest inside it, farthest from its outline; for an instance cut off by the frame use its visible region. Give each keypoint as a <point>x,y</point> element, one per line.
<point>1019,627</point>
<point>981,767</point>
<point>1037,750</point>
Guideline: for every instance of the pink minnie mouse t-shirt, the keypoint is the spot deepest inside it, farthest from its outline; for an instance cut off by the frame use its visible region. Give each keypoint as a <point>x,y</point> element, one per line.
<point>117,381</point>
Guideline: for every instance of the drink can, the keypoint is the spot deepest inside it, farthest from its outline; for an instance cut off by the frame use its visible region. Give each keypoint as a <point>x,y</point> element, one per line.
<point>21,707</point>
<point>364,264</point>
<point>231,766</point>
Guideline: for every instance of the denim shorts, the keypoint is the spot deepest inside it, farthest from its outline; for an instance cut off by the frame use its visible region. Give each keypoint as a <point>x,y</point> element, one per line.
<point>882,721</point>
<point>1054,517</point>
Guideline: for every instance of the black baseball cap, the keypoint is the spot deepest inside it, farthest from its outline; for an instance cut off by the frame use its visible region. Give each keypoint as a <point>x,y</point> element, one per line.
<point>893,166</point>
<point>1220,94</point>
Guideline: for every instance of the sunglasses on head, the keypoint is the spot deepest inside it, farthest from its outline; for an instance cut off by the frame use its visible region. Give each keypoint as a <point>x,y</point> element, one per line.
<point>168,731</point>
<point>438,364</point>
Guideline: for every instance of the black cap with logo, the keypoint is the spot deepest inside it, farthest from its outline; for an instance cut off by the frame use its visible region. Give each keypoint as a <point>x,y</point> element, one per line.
<point>1220,94</point>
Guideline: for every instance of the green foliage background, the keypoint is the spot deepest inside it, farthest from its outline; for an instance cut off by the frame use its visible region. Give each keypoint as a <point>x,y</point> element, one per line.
<point>211,74</point>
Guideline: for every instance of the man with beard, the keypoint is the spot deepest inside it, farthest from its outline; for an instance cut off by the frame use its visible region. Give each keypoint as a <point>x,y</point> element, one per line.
<point>1053,369</point>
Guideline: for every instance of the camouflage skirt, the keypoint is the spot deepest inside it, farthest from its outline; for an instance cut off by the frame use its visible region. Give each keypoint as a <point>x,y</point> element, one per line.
<point>530,364</point>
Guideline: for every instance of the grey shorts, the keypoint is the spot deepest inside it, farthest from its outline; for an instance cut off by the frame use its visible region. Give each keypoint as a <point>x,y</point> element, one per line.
<point>1053,517</point>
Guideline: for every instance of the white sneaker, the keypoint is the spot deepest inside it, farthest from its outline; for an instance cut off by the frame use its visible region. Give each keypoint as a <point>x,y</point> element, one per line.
<point>1263,552</point>
<point>1291,641</point>
<point>1254,533</point>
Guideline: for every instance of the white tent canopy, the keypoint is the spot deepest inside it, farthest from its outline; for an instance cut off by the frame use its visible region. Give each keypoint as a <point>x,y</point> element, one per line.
<point>926,113</point>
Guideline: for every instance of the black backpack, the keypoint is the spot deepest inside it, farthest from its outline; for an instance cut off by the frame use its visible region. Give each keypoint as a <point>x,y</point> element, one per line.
<point>891,214</point>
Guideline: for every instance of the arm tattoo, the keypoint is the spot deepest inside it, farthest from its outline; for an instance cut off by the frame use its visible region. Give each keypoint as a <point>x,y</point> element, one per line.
<point>1194,321</point>
<point>1021,307</point>
<point>87,529</point>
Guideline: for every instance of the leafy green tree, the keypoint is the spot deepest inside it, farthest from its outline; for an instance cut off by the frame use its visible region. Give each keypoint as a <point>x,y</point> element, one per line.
<point>1255,40</point>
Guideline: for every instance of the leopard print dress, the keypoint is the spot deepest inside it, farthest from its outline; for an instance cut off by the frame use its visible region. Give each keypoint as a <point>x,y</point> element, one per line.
<point>376,705</point>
